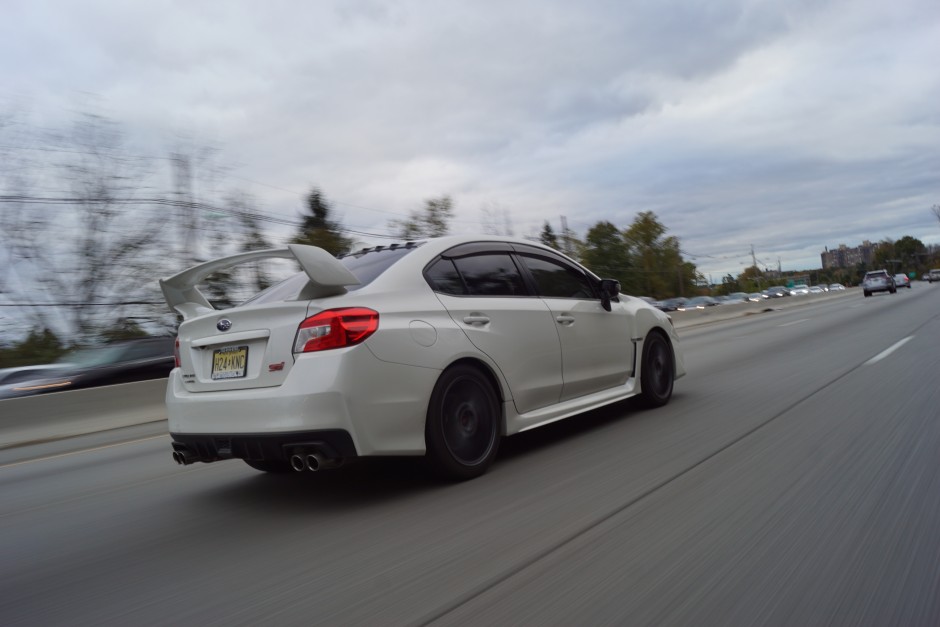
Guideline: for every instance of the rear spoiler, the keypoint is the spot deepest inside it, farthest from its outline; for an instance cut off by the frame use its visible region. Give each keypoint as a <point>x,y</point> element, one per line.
<point>328,276</point>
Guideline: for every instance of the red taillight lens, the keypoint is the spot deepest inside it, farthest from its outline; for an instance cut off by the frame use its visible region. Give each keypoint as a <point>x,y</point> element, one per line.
<point>176,352</point>
<point>335,328</point>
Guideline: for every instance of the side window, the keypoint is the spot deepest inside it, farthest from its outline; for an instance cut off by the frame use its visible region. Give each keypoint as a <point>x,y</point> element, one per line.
<point>443,277</point>
<point>557,280</point>
<point>491,275</point>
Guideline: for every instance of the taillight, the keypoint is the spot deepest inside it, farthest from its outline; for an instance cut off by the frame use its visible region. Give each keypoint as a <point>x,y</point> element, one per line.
<point>335,328</point>
<point>176,352</point>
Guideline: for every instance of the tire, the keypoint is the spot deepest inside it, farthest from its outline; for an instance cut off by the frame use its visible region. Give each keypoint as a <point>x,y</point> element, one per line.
<point>657,374</point>
<point>867,294</point>
<point>269,465</point>
<point>463,426</point>
<point>894,291</point>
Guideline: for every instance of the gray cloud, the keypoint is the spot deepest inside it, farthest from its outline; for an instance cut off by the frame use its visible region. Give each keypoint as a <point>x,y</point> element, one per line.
<point>787,125</point>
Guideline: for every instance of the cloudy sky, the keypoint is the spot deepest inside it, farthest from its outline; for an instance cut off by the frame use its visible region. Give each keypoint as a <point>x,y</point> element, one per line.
<point>786,125</point>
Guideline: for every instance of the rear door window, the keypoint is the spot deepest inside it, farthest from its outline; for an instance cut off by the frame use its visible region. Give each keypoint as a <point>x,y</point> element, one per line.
<point>491,275</point>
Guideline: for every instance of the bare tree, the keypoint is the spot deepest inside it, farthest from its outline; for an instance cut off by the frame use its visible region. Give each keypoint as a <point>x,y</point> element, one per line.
<point>85,253</point>
<point>432,221</point>
<point>495,219</point>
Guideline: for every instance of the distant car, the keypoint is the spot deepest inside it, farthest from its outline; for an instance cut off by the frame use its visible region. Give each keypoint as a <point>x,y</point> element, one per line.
<point>778,291</point>
<point>672,304</point>
<point>835,287</point>
<point>817,289</point>
<point>118,362</point>
<point>799,290</point>
<point>878,281</point>
<point>933,275</point>
<point>699,302</point>
<point>902,280</point>
<point>755,297</point>
<point>736,298</point>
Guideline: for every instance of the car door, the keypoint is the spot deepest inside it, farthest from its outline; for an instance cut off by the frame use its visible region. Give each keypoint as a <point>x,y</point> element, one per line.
<point>596,344</point>
<point>485,294</point>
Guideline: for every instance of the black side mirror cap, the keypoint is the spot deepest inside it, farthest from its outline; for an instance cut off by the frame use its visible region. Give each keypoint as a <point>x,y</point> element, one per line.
<point>611,287</point>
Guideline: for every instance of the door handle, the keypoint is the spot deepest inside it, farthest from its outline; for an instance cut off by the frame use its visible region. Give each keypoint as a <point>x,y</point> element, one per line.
<point>476,320</point>
<point>565,320</point>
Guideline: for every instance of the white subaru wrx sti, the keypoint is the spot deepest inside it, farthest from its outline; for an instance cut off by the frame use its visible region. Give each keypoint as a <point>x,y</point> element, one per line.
<point>437,348</point>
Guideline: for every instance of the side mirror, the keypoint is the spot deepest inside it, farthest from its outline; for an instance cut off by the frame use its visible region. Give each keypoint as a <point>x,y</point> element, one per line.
<point>610,288</point>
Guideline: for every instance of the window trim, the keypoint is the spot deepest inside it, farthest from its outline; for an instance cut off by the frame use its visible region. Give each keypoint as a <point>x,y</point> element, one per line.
<point>514,251</point>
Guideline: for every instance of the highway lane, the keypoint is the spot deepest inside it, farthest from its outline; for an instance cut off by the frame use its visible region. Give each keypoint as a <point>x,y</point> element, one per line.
<point>792,480</point>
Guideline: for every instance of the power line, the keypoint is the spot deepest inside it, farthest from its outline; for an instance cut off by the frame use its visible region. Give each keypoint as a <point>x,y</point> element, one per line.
<point>168,202</point>
<point>117,304</point>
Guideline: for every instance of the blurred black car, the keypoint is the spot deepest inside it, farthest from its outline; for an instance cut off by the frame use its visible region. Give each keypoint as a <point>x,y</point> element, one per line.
<point>118,362</point>
<point>27,380</point>
<point>671,304</point>
<point>777,291</point>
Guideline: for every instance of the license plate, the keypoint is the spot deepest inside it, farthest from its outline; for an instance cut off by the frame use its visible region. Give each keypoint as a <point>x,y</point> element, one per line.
<point>229,363</point>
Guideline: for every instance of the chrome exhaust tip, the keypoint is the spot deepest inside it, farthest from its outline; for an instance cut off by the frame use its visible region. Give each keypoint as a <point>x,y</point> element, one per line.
<point>316,461</point>
<point>297,462</point>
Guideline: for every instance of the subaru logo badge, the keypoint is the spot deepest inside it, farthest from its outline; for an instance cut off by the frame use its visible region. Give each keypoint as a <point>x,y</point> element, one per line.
<point>224,324</point>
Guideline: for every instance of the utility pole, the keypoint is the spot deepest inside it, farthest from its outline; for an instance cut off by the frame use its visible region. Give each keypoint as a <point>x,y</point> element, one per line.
<point>753,256</point>
<point>186,211</point>
<point>566,241</point>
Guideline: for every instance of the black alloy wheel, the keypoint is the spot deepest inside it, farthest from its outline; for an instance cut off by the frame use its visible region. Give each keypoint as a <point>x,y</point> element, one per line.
<point>463,423</point>
<point>658,371</point>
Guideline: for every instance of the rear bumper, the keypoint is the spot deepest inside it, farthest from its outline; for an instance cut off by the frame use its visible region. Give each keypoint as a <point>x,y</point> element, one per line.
<point>380,406</point>
<point>211,447</point>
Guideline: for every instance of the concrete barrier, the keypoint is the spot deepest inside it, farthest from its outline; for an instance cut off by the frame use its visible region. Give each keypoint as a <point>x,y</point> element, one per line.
<point>696,317</point>
<point>60,415</point>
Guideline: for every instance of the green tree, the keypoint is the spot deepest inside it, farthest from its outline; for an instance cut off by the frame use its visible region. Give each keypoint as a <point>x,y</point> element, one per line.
<point>39,347</point>
<point>658,259</point>
<point>317,229</point>
<point>912,253</point>
<point>123,329</point>
<point>606,253</point>
<point>548,237</point>
<point>432,221</point>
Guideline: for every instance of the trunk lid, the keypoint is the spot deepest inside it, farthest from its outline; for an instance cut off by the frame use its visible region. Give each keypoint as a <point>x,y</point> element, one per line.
<point>255,351</point>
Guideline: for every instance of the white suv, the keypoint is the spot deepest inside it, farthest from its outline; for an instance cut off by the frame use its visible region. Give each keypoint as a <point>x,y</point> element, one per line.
<point>878,281</point>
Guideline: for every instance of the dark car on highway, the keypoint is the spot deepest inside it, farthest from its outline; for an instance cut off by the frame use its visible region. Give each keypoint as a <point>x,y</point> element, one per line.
<point>118,362</point>
<point>672,304</point>
<point>776,292</point>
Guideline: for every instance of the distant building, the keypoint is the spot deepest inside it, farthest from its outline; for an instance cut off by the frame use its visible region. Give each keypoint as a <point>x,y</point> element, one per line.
<point>845,257</point>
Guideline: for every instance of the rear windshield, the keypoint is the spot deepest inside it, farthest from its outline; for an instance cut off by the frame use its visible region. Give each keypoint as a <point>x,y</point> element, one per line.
<point>365,265</point>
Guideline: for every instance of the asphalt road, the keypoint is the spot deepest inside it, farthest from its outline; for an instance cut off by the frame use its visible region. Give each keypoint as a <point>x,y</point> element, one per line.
<point>793,480</point>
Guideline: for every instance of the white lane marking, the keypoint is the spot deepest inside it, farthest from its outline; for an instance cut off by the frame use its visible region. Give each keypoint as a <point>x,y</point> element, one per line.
<point>855,306</point>
<point>888,351</point>
<point>86,450</point>
<point>788,324</point>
